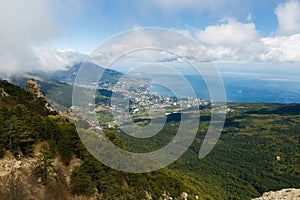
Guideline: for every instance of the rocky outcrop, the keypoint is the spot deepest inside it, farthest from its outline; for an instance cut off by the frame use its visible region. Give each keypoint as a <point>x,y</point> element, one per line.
<point>166,196</point>
<point>34,88</point>
<point>68,115</point>
<point>3,93</point>
<point>285,194</point>
<point>17,178</point>
<point>183,196</point>
<point>9,164</point>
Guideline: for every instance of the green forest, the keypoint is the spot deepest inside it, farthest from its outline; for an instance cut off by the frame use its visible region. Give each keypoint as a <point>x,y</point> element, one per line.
<point>258,151</point>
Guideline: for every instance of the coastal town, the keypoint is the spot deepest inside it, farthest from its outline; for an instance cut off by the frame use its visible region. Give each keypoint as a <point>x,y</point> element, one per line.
<point>136,97</point>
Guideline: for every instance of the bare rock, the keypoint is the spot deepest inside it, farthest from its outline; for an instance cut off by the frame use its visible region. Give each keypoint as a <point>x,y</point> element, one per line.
<point>18,164</point>
<point>285,194</point>
<point>148,195</point>
<point>34,88</point>
<point>183,196</point>
<point>166,196</point>
<point>39,180</point>
<point>68,115</point>
<point>3,93</point>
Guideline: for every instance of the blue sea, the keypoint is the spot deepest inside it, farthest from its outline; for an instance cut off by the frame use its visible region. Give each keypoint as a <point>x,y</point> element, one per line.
<point>269,85</point>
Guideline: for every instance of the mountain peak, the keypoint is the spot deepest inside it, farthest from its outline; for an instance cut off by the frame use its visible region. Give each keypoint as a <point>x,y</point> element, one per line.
<point>33,87</point>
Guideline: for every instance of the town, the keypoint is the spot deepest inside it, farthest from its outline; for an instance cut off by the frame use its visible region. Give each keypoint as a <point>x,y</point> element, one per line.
<point>134,95</point>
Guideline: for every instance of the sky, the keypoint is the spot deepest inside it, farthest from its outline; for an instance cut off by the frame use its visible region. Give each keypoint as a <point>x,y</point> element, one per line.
<point>51,34</point>
<point>98,20</point>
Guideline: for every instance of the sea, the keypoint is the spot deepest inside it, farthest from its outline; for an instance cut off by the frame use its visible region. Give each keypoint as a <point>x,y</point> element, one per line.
<point>268,85</point>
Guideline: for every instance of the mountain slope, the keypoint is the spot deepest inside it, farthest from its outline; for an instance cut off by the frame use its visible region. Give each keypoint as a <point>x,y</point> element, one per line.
<point>257,152</point>
<point>45,145</point>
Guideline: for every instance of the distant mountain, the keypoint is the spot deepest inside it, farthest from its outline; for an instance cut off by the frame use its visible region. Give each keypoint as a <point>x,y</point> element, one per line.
<point>69,74</point>
<point>58,85</point>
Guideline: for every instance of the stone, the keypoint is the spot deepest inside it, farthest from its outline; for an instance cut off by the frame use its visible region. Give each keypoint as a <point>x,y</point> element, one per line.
<point>285,194</point>
<point>39,180</point>
<point>183,196</point>
<point>18,164</point>
<point>3,93</point>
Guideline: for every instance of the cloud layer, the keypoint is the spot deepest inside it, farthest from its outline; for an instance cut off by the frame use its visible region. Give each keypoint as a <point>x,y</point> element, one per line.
<point>288,16</point>
<point>229,41</point>
<point>52,59</point>
<point>25,24</point>
<point>281,49</point>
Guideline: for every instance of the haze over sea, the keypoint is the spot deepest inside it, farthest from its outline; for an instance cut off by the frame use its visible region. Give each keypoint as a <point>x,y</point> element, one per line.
<point>269,84</point>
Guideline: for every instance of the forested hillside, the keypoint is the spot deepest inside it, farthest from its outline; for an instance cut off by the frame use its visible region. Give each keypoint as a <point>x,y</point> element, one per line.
<point>258,151</point>
<point>26,124</point>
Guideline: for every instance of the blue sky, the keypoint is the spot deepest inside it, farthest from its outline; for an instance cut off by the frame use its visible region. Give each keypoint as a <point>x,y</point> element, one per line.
<point>231,31</point>
<point>97,20</point>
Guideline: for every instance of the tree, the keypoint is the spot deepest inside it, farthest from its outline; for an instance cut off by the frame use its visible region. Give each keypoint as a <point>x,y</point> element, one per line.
<point>81,182</point>
<point>44,167</point>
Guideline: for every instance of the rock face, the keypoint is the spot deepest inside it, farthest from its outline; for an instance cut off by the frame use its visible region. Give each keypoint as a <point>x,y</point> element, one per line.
<point>3,93</point>
<point>285,194</point>
<point>33,87</point>
<point>8,164</point>
<point>183,196</point>
<point>17,179</point>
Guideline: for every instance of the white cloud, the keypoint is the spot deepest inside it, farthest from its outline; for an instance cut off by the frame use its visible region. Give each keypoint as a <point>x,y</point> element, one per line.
<point>231,33</point>
<point>51,59</point>
<point>131,41</point>
<point>125,45</point>
<point>25,24</point>
<point>247,49</point>
<point>230,41</point>
<point>148,45</point>
<point>288,16</point>
<point>222,54</point>
<point>233,41</point>
<point>281,49</point>
<point>249,17</point>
